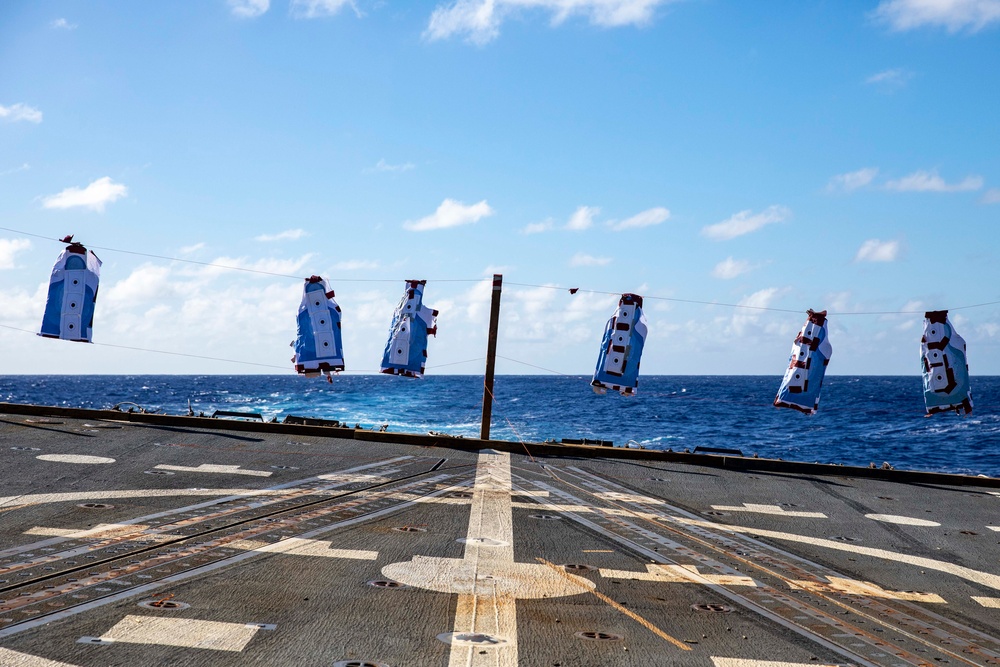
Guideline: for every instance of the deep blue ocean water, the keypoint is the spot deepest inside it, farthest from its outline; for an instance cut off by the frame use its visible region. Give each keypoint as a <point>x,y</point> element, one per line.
<point>861,420</point>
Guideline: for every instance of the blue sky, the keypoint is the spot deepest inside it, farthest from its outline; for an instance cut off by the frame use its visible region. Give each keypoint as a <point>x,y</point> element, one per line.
<point>785,155</point>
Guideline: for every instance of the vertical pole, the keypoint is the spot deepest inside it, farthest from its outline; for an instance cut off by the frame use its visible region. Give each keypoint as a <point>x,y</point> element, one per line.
<point>491,358</point>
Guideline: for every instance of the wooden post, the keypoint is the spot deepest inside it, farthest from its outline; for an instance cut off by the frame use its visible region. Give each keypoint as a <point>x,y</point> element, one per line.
<point>491,358</point>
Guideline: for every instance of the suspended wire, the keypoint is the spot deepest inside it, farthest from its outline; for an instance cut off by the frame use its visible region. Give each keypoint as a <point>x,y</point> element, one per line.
<point>749,307</point>
<point>175,354</point>
<point>455,363</point>
<point>234,268</point>
<point>517,435</point>
<point>516,284</point>
<point>541,368</point>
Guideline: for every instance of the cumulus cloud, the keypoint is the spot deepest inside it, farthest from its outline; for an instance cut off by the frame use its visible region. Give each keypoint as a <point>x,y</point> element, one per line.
<point>852,180</point>
<point>248,9</point>
<point>648,218</point>
<point>744,318</point>
<point>287,235</point>
<point>874,250</point>
<point>62,24</point>
<point>992,196</point>
<point>745,222</point>
<point>14,170</point>
<point>355,265</point>
<point>582,218</point>
<point>929,181</point>
<point>314,9</point>
<point>583,259</point>
<point>890,79</point>
<point>730,268</point>
<point>451,213</point>
<point>383,166</point>
<point>479,20</point>
<point>9,249</point>
<point>538,227</point>
<point>95,196</point>
<point>19,111</point>
<point>952,15</point>
<point>188,249</point>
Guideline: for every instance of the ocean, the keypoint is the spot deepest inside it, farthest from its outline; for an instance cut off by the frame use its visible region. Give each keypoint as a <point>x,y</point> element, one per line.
<point>861,420</point>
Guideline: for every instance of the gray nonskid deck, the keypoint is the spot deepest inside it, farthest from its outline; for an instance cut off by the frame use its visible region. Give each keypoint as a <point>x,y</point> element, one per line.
<point>140,544</point>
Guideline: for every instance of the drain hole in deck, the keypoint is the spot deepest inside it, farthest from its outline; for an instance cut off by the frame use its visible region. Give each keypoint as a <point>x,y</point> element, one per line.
<point>284,467</point>
<point>578,567</point>
<point>164,604</point>
<point>713,607</point>
<point>157,472</point>
<point>358,663</point>
<point>409,529</point>
<point>545,517</point>
<point>96,506</point>
<point>715,513</point>
<point>843,538</point>
<point>26,449</point>
<point>598,635</point>
<point>385,583</point>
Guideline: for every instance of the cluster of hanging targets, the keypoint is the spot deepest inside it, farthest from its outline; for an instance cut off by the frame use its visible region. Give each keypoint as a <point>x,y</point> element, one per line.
<point>69,315</point>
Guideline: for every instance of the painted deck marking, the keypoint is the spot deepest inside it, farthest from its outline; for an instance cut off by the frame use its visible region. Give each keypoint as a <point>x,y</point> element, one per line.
<point>186,632</point>
<point>996,528</point>
<point>993,603</point>
<point>215,468</point>
<point>750,662</point>
<point>628,612</point>
<point>678,574</point>
<point>775,510</point>
<point>902,520</point>
<point>74,458</point>
<point>977,576</point>
<point>867,589</point>
<point>10,658</point>
<point>487,580</point>
<point>296,546</point>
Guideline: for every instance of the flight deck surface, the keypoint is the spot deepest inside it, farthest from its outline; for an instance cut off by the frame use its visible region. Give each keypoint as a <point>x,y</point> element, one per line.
<point>142,544</point>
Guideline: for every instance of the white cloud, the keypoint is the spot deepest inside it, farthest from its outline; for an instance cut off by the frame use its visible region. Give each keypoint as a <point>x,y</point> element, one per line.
<point>479,20</point>
<point>992,196</point>
<point>952,15</point>
<point>890,79</point>
<point>19,111</point>
<point>730,268</point>
<point>745,222</point>
<point>188,249</point>
<point>538,227</point>
<point>929,181</point>
<point>248,9</point>
<point>583,259</point>
<point>852,180</point>
<point>355,265</point>
<point>383,166</point>
<point>451,213</point>
<point>874,250</point>
<point>287,235</point>
<point>582,218</point>
<point>62,24</point>
<point>743,319</point>
<point>314,9</point>
<point>653,216</point>
<point>9,249</point>
<point>95,196</point>
<point>14,170</point>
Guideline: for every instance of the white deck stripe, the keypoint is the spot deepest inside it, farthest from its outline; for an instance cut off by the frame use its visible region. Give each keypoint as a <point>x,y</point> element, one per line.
<point>215,468</point>
<point>483,611</point>
<point>186,632</point>
<point>775,510</point>
<point>750,662</point>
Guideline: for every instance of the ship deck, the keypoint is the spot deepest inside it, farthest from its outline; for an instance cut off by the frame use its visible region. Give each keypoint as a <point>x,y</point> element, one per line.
<point>126,541</point>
